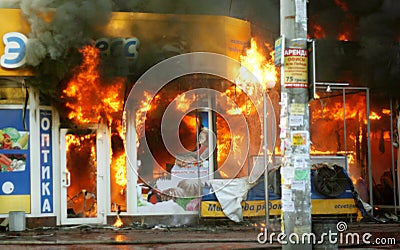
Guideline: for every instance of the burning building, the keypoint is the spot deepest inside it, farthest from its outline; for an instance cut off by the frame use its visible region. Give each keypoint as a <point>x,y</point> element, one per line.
<point>79,147</point>
<point>70,150</point>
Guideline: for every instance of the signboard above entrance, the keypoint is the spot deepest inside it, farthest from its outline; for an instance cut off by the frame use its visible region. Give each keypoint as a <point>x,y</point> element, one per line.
<point>170,35</point>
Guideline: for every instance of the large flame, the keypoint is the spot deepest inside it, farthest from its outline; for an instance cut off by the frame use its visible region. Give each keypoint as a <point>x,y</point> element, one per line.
<point>92,101</point>
<point>256,68</point>
<point>330,136</point>
<point>81,164</point>
<point>89,100</point>
<point>119,166</point>
<point>263,69</point>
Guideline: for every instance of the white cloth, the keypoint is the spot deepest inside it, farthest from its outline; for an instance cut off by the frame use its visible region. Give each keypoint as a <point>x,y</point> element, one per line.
<point>230,193</point>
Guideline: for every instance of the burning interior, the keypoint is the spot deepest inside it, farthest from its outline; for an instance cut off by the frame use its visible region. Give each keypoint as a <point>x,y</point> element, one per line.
<point>334,116</point>
<point>90,101</point>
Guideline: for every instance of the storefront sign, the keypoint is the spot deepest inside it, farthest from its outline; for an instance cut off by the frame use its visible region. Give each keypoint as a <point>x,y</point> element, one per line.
<point>126,47</point>
<point>14,55</point>
<point>14,50</point>
<point>296,68</point>
<point>46,163</point>
<point>257,207</point>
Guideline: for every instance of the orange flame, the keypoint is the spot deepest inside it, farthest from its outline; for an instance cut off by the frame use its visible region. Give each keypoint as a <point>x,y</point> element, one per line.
<point>318,31</point>
<point>145,106</point>
<point>91,101</point>
<point>256,67</point>
<point>183,103</point>
<point>329,134</point>
<point>118,223</point>
<point>342,5</point>
<point>119,165</point>
<point>85,95</point>
<point>191,122</point>
<point>386,111</point>
<point>348,27</point>
<point>374,116</point>
<point>345,36</point>
<point>262,68</point>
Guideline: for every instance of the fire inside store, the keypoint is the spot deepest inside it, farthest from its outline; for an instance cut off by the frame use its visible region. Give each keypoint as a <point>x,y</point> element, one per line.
<point>69,165</point>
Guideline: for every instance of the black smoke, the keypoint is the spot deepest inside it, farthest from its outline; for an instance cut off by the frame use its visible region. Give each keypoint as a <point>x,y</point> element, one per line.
<point>372,56</point>
<point>59,28</point>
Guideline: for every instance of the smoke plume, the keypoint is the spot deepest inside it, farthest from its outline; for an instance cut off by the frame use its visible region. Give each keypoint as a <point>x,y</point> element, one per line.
<point>57,26</point>
<point>370,51</point>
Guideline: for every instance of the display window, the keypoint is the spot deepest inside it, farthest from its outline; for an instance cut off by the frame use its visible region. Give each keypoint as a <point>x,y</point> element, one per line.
<point>189,135</point>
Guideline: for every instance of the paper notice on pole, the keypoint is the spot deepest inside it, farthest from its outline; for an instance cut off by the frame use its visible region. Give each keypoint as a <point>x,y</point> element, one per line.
<point>282,135</point>
<point>288,206</point>
<point>298,162</point>
<point>299,185</point>
<point>296,68</point>
<point>284,110</point>
<point>297,109</point>
<point>296,120</point>
<point>299,138</point>
<point>287,195</point>
<point>301,174</point>
<point>287,172</point>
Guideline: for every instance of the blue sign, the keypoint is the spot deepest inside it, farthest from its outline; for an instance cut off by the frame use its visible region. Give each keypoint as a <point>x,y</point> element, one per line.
<point>279,48</point>
<point>46,162</point>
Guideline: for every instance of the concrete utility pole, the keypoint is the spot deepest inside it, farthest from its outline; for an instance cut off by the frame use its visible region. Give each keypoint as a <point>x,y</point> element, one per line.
<point>294,124</point>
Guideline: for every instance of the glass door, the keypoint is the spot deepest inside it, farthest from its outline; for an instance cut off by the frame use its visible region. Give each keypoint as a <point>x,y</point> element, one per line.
<point>82,178</point>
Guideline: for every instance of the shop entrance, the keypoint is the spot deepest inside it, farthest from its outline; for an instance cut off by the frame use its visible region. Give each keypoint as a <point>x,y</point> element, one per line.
<point>83,167</point>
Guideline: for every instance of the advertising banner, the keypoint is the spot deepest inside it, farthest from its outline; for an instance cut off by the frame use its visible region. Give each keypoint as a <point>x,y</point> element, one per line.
<point>257,207</point>
<point>14,161</point>
<point>296,68</point>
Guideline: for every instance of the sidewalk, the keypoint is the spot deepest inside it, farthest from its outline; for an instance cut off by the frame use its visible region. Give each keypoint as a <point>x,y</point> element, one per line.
<point>242,236</point>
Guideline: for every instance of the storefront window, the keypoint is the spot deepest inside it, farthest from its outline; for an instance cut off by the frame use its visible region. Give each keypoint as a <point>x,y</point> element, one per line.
<point>338,127</point>
<point>220,131</point>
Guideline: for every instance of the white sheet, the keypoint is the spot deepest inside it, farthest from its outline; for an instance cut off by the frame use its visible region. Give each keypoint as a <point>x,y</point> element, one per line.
<point>230,193</point>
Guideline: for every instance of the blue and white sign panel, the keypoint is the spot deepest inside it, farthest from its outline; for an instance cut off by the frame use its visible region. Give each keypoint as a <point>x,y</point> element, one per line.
<point>15,50</point>
<point>279,48</point>
<point>46,162</point>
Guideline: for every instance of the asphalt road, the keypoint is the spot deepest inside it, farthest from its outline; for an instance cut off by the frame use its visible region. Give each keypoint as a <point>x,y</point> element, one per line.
<point>242,236</point>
